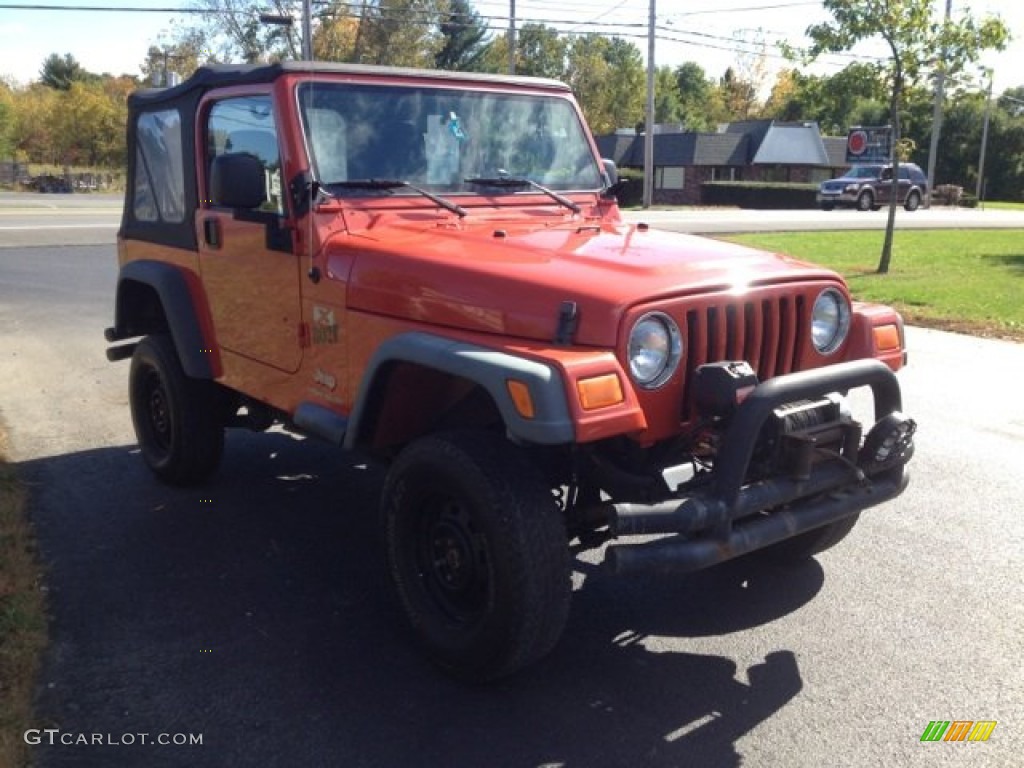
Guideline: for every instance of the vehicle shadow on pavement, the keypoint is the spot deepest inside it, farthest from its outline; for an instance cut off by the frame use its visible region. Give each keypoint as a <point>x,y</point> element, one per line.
<point>255,611</point>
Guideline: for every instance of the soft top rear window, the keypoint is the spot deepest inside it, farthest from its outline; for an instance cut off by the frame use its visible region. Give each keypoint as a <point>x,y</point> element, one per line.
<point>159,188</point>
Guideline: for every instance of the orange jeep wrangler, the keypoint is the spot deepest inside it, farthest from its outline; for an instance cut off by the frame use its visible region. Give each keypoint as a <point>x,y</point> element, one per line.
<point>431,268</point>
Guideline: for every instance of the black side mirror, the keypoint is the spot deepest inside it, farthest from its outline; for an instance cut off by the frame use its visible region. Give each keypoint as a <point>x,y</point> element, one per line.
<point>238,180</point>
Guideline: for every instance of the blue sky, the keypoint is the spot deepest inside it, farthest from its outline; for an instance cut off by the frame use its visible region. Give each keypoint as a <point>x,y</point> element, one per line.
<point>117,42</point>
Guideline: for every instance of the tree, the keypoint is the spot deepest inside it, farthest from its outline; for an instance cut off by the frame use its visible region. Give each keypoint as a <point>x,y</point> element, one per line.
<point>464,36</point>
<point>59,72</point>
<point>607,77</point>
<point>6,121</point>
<point>668,107</point>
<point>915,41</point>
<point>694,90</point>
<point>740,95</point>
<point>180,57</point>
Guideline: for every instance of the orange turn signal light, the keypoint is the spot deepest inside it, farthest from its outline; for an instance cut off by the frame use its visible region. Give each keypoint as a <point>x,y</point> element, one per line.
<point>887,337</point>
<point>600,391</point>
<point>520,394</point>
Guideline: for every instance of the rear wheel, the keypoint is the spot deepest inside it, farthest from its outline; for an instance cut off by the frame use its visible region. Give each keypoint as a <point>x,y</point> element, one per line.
<point>477,552</point>
<point>178,421</point>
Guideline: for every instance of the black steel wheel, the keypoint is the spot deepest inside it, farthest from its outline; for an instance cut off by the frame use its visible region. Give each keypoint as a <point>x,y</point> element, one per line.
<point>808,544</point>
<point>477,552</point>
<point>178,421</point>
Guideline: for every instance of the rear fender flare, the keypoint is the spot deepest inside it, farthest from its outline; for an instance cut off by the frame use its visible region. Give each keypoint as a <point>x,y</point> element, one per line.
<point>173,288</point>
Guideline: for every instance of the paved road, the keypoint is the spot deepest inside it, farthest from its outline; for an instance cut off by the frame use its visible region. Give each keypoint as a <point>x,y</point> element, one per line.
<point>58,219</point>
<point>253,611</point>
<point>27,220</point>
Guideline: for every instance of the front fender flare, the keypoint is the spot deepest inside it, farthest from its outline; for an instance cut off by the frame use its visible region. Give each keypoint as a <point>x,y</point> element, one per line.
<point>552,423</point>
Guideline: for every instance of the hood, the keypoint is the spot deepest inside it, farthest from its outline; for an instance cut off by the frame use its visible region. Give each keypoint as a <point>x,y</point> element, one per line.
<point>512,278</point>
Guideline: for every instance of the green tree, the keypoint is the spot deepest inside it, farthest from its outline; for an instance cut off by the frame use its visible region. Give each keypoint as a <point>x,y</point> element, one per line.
<point>607,77</point>
<point>540,51</point>
<point>915,42</point>
<point>464,35</point>
<point>668,107</point>
<point>695,94</point>
<point>399,32</point>
<point>59,72</point>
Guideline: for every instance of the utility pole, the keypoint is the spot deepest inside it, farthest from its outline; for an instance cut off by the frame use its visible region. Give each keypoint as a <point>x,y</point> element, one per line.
<point>511,37</point>
<point>940,87</point>
<point>984,140</point>
<point>649,116</point>
<point>307,30</point>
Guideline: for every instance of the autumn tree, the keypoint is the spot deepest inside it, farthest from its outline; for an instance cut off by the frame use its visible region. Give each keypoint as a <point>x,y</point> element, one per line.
<point>916,42</point>
<point>180,55</point>
<point>6,121</point>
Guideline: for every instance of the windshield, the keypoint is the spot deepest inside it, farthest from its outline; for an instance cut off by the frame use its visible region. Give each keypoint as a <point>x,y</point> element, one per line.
<point>864,172</point>
<point>436,138</point>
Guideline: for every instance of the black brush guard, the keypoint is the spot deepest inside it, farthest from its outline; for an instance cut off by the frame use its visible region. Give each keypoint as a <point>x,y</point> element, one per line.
<point>722,521</point>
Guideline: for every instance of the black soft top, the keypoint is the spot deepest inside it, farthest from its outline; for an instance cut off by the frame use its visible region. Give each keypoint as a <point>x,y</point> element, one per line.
<point>184,99</point>
<point>212,76</point>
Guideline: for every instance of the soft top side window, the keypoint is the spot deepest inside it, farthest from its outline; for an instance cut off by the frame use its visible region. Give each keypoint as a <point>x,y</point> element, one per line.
<point>159,189</point>
<point>245,124</point>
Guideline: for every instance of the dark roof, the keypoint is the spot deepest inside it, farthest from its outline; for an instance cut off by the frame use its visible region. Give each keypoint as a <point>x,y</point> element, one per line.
<point>676,149</point>
<point>218,75</point>
<point>748,142</point>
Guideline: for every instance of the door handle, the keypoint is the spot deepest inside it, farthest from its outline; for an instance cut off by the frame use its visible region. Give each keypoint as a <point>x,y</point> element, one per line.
<point>211,232</point>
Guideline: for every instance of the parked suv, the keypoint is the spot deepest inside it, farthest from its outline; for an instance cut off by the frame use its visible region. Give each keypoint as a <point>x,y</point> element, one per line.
<point>869,187</point>
<point>430,268</point>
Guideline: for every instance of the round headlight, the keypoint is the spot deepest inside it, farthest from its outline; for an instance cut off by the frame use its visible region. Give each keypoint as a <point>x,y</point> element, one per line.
<point>655,348</point>
<point>830,321</point>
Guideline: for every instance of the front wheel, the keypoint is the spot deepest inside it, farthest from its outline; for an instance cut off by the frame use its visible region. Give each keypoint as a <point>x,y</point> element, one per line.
<point>806,545</point>
<point>178,420</point>
<point>912,202</point>
<point>865,201</point>
<point>477,552</point>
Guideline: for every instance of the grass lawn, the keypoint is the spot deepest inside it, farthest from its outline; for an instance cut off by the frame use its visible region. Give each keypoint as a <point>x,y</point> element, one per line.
<point>22,617</point>
<point>970,281</point>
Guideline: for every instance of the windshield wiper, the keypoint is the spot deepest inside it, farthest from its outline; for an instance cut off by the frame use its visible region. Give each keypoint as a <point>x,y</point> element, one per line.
<point>504,180</point>
<point>398,184</point>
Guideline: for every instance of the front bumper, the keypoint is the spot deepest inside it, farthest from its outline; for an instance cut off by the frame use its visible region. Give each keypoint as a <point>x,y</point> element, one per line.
<point>836,198</point>
<point>730,517</point>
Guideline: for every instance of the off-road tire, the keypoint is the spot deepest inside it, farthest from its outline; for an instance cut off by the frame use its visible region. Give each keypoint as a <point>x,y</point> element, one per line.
<point>807,545</point>
<point>477,553</point>
<point>865,201</point>
<point>179,421</point>
<point>913,201</point>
